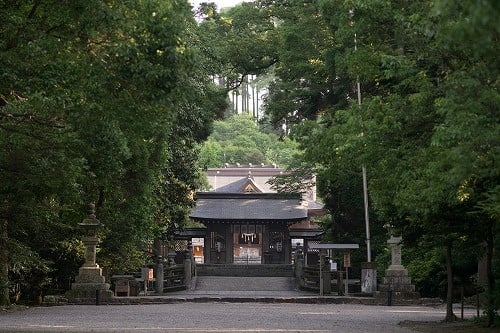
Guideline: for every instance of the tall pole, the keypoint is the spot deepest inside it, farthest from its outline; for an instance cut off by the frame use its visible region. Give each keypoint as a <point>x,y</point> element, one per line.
<point>367,218</point>
<point>363,167</point>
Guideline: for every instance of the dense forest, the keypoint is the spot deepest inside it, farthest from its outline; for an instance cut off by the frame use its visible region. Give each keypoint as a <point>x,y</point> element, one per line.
<point>241,139</point>
<point>100,102</point>
<point>407,89</point>
<point>112,103</point>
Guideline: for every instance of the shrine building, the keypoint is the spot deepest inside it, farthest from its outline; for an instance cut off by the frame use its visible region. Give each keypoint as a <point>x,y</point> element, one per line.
<point>247,222</point>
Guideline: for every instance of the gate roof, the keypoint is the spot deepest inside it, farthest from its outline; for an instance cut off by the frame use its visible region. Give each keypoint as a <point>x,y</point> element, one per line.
<point>256,207</point>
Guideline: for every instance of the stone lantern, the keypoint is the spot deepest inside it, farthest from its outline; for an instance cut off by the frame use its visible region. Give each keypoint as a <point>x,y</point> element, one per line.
<point>89,284</point>
<point>396,283</point>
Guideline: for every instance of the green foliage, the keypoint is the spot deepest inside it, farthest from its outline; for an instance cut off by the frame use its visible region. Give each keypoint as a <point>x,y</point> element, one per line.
<point>426,270</point>
<point>105,103</point>
<point>238,139</point>
<point>29,274</point>
<point>427,127</point>
<point>236,43</point>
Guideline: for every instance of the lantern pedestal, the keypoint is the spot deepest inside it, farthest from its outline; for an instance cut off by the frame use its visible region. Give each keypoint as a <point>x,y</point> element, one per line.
<point>88,286</point>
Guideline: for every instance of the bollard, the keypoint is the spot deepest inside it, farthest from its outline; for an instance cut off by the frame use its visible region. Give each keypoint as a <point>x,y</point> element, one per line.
<point>462,302</point>
<point>477,302</point>
<point>389,297</point>
<point>97,297</point>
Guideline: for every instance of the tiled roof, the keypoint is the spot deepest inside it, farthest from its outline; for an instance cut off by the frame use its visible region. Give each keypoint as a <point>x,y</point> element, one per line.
<point>233,187</point>
<point>239,186</point>
<point>251,207</point>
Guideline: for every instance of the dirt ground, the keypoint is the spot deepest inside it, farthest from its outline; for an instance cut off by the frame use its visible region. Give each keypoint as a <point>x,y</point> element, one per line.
<point>443,327</point>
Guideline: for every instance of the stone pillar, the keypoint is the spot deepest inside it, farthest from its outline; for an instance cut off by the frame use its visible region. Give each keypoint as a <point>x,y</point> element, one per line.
<point>396,285</point>
<point>187,271</point>
<point>299,266</point>
<point>90,284</point>
<point>368,277</point>
<point>159,275</point>
<point>325,275</point>
<point>189,264</point>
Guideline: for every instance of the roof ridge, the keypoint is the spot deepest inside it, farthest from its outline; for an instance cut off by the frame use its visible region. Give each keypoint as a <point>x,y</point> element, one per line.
<point>241,195</point>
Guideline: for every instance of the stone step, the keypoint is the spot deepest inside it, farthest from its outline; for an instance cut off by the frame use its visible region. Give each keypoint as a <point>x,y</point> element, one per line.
<point>270,270</point>
<point>396,287</point>
<point>246,284</point>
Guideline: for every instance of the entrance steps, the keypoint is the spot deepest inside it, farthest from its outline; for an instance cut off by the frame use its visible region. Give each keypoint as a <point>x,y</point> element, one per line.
<point>244,285</point>
<point>267,270</point>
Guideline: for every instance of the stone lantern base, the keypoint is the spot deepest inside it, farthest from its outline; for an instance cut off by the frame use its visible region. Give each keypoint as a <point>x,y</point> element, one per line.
<point>396,286</point>
<point>89,287</point>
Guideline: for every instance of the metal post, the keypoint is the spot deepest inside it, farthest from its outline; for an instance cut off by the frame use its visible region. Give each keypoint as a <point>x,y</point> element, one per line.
<point>367,217</point>
<point>363,168</point>
<point>477,302</point>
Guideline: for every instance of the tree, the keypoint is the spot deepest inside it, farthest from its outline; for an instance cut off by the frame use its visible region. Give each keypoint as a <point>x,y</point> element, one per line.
<point>238,139</point>
<point>427,142</point>
<point>100,102</point>
<point>237,46</point>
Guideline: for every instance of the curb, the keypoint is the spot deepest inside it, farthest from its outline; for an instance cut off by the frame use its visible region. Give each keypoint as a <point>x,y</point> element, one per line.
<point>141,300</point>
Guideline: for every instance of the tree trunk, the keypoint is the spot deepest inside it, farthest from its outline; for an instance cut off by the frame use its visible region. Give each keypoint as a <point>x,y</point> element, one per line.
<point>490,311</point>
<point>244,95</point>
<point>4,257</point>
<point>450,316</point>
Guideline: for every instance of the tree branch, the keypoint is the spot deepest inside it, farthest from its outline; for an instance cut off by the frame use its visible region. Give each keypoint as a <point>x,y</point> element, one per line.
<point>54,122</point>
<point>33,9</point>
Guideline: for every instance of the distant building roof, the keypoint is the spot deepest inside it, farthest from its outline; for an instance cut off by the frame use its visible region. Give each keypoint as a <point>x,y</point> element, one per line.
<point>225,179</point>
<point>243,185</point>
<point>256,207</point>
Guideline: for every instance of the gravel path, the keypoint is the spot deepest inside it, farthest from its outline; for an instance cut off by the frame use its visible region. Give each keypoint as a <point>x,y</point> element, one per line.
<point>219,317</point>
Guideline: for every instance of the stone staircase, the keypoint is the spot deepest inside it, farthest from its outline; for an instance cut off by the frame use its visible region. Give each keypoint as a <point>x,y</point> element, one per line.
<point>268,270</point>
<point>244,285</point>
